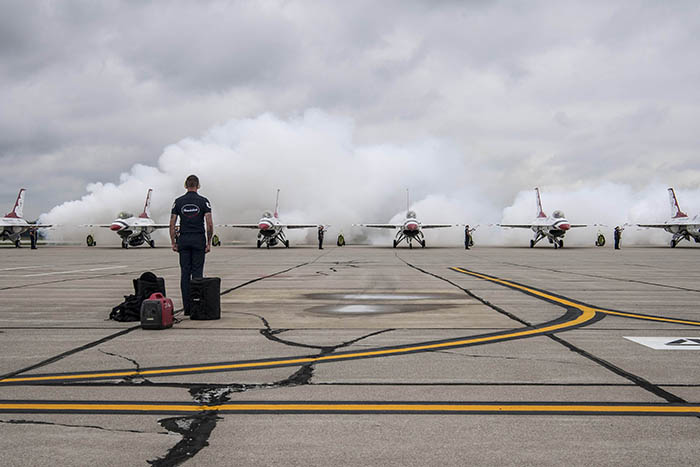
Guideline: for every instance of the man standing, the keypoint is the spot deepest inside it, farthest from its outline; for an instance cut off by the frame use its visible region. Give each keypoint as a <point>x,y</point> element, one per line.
<point>618,237</point>
<point>190,242</point>
<point>468,241</point>
<point>320,237</point>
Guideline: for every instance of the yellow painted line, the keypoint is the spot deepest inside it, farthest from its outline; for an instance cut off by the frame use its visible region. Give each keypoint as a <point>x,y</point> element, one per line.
<point>650,318</point>
<point>576,305</point>
<point>352,407</point>
<point>587,314</point>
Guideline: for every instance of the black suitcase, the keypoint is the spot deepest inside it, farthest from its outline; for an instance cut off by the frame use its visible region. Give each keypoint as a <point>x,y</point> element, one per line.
<point>205,299</point>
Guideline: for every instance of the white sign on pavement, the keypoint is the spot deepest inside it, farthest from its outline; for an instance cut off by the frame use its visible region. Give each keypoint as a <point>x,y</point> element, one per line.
<point>668,343</point>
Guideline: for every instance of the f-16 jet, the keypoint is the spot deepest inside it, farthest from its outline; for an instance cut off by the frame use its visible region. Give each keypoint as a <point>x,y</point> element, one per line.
<point>680,225</point>
<point>133,231</point>
<point>270,228</point>
<point>553,227</point>
<point>410,229</point>
<point>13,225</point>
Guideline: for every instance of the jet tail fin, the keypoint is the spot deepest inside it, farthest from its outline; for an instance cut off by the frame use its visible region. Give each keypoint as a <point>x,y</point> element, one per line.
<point>146,214</point>
<point>675,208</point>
<point>408,204</point>
<point>540,212</point>
<point>277,204</point>
<point>18,209</point>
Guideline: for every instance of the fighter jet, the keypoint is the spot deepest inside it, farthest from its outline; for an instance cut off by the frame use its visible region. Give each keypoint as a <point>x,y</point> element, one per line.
<point>410,229</point>
<point>270,228</point>
<point>680,225</point>
<point>553,227</point>
<point>13,225</point>
<point>134,231</point>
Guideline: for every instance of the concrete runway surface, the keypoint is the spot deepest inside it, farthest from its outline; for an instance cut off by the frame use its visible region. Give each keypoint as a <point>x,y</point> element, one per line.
<point>356,356</point>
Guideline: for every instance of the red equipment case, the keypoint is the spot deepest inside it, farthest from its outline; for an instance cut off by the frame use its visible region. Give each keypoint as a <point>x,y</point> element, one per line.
<point>157,312</point>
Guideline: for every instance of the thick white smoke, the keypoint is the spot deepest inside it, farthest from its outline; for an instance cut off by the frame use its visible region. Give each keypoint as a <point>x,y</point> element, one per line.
<point>326,177</point>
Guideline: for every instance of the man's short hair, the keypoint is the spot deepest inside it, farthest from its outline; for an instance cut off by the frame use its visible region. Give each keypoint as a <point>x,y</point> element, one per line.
<point>192,182</point>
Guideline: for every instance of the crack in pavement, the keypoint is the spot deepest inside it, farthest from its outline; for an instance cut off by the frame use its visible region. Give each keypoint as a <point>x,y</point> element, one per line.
<point>129,378</point>
<point>197,429</point>
<point>620,279</point>
<point>637,380</point>
<point>503,357</point>
<point>67,425</point>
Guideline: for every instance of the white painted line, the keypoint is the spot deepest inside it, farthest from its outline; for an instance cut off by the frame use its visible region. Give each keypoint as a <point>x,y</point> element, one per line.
<point>667,343</point>
<point>22,267</point>
<point>73,271</point>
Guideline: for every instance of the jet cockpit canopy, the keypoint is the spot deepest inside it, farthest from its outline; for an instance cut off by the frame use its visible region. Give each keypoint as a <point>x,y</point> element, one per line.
<point>411,215</point>
<point>267,215</point>
<point>124,215</point>
<point>558,214</point>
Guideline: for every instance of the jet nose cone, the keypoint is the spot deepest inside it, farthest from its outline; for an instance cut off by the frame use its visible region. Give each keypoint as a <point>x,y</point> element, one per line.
<point>115,227</point>
<point>564,226</point>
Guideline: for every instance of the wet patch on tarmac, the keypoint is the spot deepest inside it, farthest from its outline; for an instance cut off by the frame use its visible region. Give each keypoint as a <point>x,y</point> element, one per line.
<point>384,296</point>
<point>376,308</point>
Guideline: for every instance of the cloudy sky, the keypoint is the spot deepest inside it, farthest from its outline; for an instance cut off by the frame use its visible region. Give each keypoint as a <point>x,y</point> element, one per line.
<point>503,95</point>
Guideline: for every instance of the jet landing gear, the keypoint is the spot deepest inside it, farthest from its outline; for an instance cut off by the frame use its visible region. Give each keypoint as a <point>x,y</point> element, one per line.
<point>539,236</point>
<point>152,243</point>
<point>125,243</point>
<point>678,237</point>
<point>18,244</point>
<point>90,240</point>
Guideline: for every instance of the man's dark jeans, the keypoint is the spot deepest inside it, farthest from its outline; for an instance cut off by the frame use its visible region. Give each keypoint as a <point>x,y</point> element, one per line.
<point>191,250</point>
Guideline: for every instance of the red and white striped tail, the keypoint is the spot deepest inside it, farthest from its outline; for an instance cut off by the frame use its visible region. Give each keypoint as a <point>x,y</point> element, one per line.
<point>540,212</point>
<point>146,214</point>
<point>676,212</point>
<point>18,209</point>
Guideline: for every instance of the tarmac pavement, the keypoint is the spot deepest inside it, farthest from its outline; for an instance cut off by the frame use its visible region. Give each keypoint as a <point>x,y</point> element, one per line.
<point>356,355</point>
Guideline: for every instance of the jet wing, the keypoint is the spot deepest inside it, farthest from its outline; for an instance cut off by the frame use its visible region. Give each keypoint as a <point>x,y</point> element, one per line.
<point>104,226</point>
<point>240,226</point>
<point>661,226</point>
<point>516,226</point>
<point>41,226</point>
<point>576,226</point>
<point>157,226</point>
<point>301,226</point>
<point>435,226</point>
<point>380,226</point>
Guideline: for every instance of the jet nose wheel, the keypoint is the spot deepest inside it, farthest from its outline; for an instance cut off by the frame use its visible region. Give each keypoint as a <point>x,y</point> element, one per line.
<point>125,244</point>
<point>561,243</point>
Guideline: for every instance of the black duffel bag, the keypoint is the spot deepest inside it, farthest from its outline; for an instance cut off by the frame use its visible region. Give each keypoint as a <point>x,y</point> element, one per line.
<point>148,284</point>
<point>144,287</point>
<point>205,298</point>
